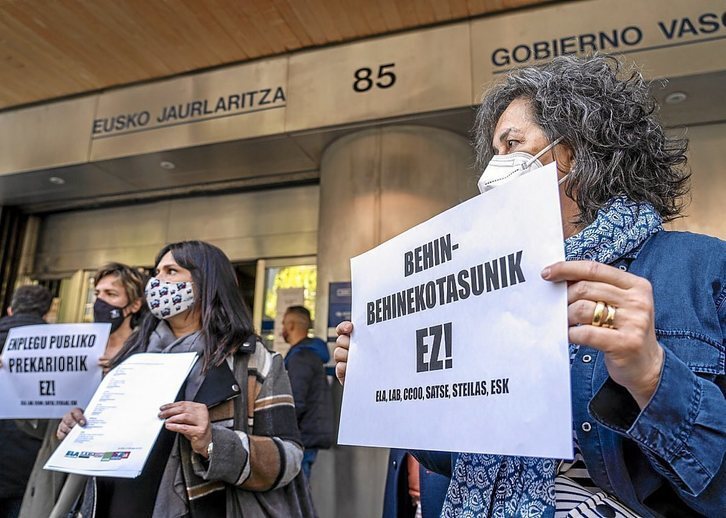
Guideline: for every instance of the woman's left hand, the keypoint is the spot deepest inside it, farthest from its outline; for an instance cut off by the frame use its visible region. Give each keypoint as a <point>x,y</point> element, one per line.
<point>633,356</point>
<point>191,420</point>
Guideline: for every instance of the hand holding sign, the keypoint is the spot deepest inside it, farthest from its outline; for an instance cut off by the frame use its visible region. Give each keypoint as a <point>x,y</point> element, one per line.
<point>340,355</point>
<point>72,418</point>
<point>192,421</point>
<point>632,354</point>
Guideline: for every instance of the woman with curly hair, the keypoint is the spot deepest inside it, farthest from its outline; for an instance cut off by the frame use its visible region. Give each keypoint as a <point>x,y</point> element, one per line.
<point>646,307</point>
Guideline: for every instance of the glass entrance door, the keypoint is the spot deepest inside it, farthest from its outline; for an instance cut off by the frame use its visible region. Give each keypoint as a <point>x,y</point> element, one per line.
<point>282,283</point>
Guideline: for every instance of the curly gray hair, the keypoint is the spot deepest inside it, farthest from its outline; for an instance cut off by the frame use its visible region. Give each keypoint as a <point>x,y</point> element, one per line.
<point>604,111</point>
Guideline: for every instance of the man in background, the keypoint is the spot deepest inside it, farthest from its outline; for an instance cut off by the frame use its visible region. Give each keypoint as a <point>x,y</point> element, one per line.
<point>18,448</point>
<point>313,399</point>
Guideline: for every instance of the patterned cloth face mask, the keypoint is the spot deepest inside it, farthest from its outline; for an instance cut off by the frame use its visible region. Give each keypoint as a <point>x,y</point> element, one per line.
<point>504,168</point>
<point>166,299</point>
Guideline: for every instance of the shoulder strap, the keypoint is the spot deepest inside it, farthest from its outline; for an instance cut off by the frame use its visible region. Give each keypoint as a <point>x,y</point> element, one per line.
<point>244,368</point>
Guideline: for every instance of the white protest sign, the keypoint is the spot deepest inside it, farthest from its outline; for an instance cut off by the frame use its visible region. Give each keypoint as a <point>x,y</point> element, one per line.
<point>123,417</point>
<point>458,343</point>
<point>47,369</point>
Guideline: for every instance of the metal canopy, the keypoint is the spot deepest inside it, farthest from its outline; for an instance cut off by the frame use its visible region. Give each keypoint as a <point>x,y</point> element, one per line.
<point>229,166</point>
<point>283,159</point>
<point>292,153</point>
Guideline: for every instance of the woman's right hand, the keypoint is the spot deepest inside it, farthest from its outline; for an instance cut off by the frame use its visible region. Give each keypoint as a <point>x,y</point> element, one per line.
<point>340,355</point>
<point>72,418</point>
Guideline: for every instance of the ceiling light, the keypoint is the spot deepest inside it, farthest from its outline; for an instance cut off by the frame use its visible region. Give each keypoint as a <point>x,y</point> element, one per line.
<point>56,180</point>
<point>676,98</point>
<point>165,164</point>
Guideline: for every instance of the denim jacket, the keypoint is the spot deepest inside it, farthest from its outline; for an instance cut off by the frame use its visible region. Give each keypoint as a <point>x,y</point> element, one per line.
<point>667,459</point>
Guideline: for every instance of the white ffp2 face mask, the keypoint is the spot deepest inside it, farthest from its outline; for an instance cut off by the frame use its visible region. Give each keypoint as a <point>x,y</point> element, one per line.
<point>504,168</point>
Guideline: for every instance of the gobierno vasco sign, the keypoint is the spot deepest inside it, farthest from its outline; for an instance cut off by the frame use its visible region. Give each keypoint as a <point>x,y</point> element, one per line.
<point>661,33</point>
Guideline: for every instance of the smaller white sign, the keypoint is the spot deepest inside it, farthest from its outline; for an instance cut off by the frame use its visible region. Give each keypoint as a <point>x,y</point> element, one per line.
<point>458,342</point>
<point>48,369</point>
<point>123,417</point>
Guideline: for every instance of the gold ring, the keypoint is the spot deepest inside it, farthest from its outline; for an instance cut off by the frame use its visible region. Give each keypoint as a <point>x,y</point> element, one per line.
<point>610,318</point>
<point>598,313</point>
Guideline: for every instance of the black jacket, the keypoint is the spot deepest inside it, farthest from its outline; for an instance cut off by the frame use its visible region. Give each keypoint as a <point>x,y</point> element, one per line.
<point>17,449</point>
<point>313,397</point>
<point>397,502</point>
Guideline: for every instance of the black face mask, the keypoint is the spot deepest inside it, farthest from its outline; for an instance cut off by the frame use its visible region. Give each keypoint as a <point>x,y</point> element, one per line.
<point>105,312</point>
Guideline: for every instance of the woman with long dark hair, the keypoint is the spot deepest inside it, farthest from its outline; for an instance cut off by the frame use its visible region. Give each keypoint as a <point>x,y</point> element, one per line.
<point>231,444</point>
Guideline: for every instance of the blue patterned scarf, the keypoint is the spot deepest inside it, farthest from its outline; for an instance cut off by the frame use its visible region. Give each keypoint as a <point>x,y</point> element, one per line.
<point>501,486</point>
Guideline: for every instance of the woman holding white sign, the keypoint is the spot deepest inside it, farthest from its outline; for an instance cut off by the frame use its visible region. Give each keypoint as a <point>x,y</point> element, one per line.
<point>646,307</point>
<point>231,446</point>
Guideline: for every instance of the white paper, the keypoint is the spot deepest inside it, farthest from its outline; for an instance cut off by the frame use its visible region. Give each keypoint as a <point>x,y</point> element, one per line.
<point>48,369</point>
<point>122,418</point>
<point>510,341</point>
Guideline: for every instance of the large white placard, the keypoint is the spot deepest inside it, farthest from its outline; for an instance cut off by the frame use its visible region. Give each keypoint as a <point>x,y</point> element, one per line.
<point>48,369</point>
<point>123,417</point>
<point>458,343</point>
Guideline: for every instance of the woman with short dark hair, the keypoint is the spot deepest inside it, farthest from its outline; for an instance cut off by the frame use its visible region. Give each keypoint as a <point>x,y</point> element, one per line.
<point>646,307</point>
